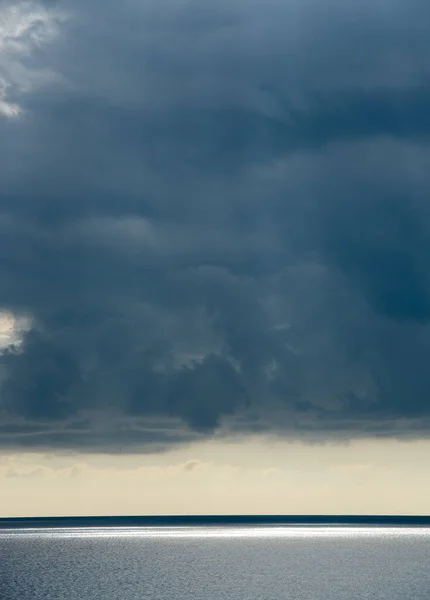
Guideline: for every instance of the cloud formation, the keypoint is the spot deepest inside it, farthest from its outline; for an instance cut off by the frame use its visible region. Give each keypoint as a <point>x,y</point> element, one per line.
<point>25,26</point>
<point>214,220</point>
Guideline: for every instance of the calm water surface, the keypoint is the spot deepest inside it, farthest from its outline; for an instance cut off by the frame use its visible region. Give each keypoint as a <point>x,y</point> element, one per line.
<point>234,563</point>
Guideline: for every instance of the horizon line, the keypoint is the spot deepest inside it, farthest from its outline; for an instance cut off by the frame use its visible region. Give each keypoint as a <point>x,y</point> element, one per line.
<point>211,520</point>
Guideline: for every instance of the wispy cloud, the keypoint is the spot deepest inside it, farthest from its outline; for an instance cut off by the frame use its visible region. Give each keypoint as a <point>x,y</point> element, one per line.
<point>25,26</point>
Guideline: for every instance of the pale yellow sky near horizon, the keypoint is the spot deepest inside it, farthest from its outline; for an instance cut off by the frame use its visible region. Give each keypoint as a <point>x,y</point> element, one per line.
<point>251,476</point>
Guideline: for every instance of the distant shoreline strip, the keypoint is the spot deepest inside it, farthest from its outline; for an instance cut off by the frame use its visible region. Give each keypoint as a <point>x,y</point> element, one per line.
<point>215,520</point>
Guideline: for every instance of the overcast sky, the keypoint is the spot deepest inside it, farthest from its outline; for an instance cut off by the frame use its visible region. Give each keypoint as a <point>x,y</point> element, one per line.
<point>214,229</point>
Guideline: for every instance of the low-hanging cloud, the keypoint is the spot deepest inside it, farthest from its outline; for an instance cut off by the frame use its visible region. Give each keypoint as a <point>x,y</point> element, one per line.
<point>214,220</point>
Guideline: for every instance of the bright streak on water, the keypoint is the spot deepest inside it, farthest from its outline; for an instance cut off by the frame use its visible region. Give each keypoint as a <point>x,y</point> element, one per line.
<point>219,532</point>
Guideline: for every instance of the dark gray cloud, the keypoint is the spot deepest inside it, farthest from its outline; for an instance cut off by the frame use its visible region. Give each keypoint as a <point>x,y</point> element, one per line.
<point>216,219</point>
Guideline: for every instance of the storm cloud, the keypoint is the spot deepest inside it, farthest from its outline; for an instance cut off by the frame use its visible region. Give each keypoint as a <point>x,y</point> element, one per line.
<point>214,219</point>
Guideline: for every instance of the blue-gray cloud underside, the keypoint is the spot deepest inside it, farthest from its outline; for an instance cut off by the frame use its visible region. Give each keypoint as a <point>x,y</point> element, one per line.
<point>219,222</point>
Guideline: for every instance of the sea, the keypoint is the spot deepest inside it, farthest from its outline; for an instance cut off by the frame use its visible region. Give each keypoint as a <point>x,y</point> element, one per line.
<point>215,561</point>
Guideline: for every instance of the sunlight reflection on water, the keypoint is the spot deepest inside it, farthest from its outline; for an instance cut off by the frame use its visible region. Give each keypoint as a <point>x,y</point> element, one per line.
<point>304,531</point>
